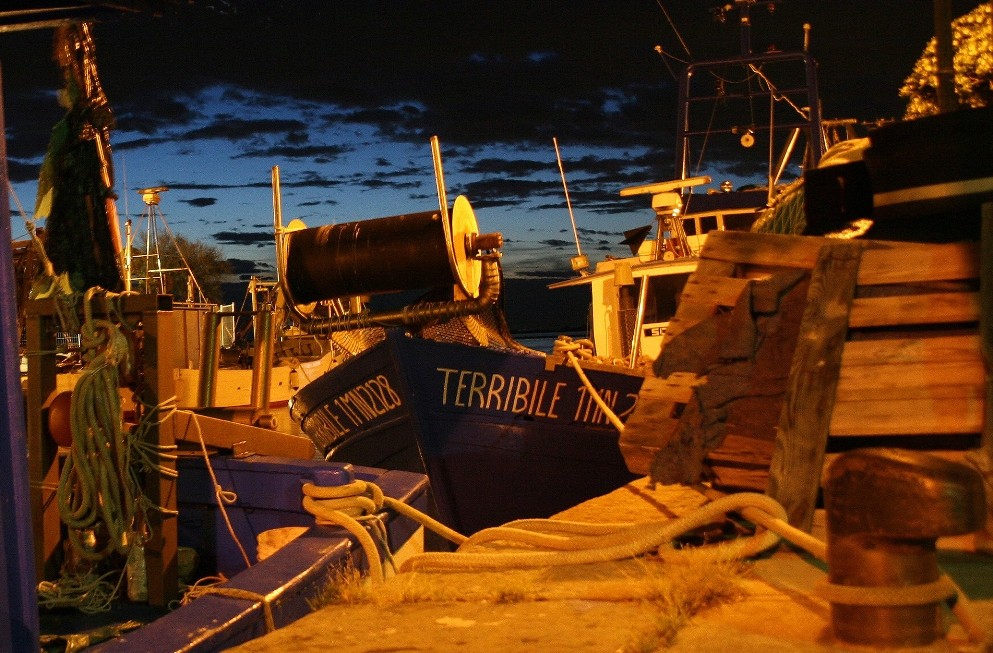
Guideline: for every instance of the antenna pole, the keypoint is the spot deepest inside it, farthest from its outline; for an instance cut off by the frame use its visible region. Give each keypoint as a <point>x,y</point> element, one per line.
<point>568,202</point>
<point>439,177</point>
<point>277,223</point>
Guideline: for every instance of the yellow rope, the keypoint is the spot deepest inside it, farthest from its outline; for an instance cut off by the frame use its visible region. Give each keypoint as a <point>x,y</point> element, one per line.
<point>236,593</point>
<point>566,345</point>
<point>547,542</point>
<point>891,596</point>
<point>224,497</point>
<point>596,546</point>
<point>353,507</point>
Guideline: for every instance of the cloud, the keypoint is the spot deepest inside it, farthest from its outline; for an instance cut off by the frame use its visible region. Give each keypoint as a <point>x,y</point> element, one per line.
<point>345,95</point>
<point>241,267</point>
<point>200,202</point>
<point>243,238</point>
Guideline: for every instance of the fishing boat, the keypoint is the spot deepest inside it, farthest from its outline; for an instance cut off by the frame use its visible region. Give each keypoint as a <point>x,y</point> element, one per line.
<point>542,429</point>
<point>265,571</point>
<point>634,298</point>
<point>442,387</point>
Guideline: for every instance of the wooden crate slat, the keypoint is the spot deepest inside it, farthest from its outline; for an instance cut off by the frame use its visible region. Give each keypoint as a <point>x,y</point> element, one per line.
<point>918,416</point>
<point>763,249</point>
<point>908,380</point>
<point>740,479</point>
<point>741,451</point>
<point>930,308</point>
<point>895,263</point>
<point>910,350</point>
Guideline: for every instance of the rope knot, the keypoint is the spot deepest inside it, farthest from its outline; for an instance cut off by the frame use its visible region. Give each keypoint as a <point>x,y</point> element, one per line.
<point>355,507</point>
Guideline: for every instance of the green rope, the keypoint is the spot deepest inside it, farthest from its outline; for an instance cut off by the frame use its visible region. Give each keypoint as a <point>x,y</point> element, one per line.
<point>96,494</point>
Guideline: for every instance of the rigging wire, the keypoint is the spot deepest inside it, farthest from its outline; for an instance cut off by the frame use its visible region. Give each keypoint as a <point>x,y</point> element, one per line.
<point>672,24</point>
<point>663,54</point>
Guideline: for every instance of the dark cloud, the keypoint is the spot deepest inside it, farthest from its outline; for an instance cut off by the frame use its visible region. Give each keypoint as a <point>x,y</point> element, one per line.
<point>243,238</point>
<point>200,202</point>
<point>234,129</point>
<point>241,267</point>
<point>321,81</point>
<point>517,71</point>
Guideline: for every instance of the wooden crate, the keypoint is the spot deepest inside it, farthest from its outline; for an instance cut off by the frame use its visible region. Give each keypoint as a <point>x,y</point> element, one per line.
<point>883,349</point>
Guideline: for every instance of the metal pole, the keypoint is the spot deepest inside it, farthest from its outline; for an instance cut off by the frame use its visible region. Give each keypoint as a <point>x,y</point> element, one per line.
<point>945,70</point>
<point>210,353</point>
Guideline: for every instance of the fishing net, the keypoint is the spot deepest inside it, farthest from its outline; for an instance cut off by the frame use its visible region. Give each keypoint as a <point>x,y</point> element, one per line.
<point>75,185</point>
<point>786,213</point>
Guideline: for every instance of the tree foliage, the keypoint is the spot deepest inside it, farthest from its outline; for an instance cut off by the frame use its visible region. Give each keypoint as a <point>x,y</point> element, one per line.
<point>972,42</point>
<point>206,262</point>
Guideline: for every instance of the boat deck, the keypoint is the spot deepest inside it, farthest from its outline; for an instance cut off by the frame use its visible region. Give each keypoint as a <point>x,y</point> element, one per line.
<point>604,607</point>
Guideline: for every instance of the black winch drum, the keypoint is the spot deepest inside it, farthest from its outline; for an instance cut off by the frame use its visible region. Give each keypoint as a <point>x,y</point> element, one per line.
<point>382,255</point>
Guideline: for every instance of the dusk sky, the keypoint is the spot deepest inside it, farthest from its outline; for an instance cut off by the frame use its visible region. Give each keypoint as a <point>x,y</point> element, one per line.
<point>344,96</point>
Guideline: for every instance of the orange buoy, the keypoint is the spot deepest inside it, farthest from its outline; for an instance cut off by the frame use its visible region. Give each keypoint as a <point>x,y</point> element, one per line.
<point>59,419</point>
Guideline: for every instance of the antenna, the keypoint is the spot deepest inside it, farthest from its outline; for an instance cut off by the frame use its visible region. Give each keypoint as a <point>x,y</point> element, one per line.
<point>579,262</point>
<point>154,275</point>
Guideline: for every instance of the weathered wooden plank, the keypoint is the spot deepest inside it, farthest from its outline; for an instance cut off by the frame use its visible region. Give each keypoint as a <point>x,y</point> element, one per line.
<point>741,451</point>
<point>655,419</point>
<point>895,263</point>
<point>983,457</point>
<point>160,546</point>
<point>931,308</point>
<point>763,249</point>
<point>737,479</point>
<point>958,411</point>
<point>794,475</point>
<point>226,434</point>
<point>930,349</point>
<point>907,380</point>
<point>699,300</point>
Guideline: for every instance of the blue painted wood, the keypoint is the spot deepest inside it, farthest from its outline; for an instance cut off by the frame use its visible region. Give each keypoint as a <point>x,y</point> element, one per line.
<point>269,496</point>
<point>18,600</point>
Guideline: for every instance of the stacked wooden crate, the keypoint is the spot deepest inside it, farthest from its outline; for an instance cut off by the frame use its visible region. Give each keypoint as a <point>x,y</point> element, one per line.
<point>904,370</point>
<point>886,353</point>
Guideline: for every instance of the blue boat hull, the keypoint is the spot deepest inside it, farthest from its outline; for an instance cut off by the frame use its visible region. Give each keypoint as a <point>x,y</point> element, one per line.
<point>501,435</point>
<point>269,496</point>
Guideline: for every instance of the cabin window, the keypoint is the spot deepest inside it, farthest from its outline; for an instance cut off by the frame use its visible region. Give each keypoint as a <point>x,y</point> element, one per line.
<point>663,296</point>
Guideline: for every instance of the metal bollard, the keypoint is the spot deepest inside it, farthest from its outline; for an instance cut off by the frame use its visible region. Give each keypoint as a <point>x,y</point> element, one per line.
<point>886,508</point>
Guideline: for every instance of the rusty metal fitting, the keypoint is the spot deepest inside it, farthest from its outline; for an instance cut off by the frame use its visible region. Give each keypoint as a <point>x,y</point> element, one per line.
<point>476,243</point>
<point>886,508</point>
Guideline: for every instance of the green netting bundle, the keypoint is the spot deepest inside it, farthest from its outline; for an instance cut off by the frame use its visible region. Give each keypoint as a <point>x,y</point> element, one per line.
<point>75,186</point>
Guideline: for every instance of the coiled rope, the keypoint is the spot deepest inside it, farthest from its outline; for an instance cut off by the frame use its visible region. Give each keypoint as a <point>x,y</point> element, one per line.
<point>556,543</point>
<point>96,490</point>
<point>530,543</point>
<point>99,496</point>
<point>356,507</point>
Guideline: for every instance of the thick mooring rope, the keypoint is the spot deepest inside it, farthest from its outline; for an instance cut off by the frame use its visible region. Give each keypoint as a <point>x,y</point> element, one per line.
<point>531,543</point>
<point>570,543</point>
<point>355,507</point>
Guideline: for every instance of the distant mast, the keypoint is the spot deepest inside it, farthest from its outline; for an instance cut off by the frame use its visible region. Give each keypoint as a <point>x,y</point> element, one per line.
<point>580,263</point>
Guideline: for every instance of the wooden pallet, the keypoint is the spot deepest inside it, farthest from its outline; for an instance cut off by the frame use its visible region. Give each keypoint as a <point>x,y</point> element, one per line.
<point>884,349</point>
